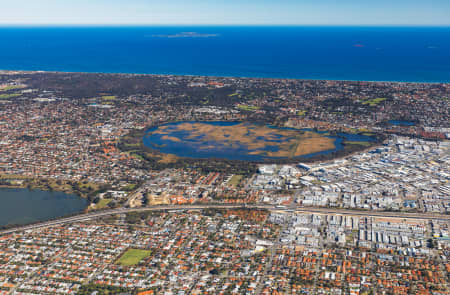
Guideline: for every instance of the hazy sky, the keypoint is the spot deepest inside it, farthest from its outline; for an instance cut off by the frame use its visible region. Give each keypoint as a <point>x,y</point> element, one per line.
<point>315,12</point>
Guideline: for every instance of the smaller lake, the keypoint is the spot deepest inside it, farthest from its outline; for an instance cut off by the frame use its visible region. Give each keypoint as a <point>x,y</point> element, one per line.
<point>401,123</point>
<point>22,206</point>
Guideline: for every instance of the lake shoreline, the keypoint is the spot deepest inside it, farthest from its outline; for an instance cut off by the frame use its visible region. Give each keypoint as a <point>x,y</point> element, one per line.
<point>51,185</point>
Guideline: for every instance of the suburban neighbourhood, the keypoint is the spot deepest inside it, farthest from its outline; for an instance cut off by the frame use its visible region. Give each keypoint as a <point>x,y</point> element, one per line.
<point>368,216</point>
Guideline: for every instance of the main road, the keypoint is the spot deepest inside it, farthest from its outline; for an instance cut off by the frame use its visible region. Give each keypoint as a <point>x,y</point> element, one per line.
<point>98,214</point>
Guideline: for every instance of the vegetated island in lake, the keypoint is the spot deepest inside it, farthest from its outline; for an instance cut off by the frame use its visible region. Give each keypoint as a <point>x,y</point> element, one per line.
<point>22,206</point>
<point>221,141</point>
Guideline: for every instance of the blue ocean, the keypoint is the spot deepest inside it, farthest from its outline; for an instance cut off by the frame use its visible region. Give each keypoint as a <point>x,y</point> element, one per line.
<point>411,54</point>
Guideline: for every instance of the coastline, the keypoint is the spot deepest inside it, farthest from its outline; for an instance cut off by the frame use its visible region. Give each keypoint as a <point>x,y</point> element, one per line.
<point>9,71</point>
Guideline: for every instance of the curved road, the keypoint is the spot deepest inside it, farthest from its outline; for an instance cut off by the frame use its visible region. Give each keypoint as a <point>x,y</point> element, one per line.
<point>94,215</point>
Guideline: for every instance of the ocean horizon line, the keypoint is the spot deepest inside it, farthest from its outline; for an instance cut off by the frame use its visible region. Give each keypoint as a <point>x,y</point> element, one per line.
<point>224,25</point>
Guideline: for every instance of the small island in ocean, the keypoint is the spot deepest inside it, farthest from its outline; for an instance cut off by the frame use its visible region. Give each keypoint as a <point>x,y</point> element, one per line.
<point>185,35</point>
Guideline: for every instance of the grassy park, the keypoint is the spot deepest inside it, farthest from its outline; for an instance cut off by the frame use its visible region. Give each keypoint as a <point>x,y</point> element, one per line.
<point>248,108</point>
<point>9,95</point>
<point>133,257</point>
<point>103,203</point>
<point>235,180</point>
<point>374,102</point>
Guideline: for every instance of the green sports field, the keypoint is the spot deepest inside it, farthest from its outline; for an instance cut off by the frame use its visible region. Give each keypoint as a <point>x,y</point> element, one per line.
<point>133,257</point>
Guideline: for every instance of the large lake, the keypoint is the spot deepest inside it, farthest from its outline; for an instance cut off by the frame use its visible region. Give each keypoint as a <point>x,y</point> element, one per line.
<point>243,141</point>
<point>22,206</point>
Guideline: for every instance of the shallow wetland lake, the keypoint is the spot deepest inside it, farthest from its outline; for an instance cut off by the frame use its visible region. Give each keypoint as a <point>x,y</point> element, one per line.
<point>244,141</point>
